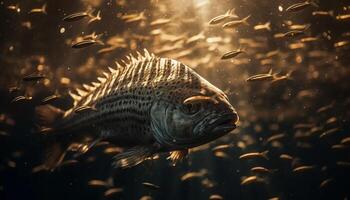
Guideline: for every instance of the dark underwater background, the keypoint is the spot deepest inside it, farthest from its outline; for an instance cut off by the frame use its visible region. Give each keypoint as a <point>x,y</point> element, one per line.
<point>308,111</point>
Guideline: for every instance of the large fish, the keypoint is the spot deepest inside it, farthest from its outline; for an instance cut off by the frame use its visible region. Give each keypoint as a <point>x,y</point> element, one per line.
<point>150,105</point>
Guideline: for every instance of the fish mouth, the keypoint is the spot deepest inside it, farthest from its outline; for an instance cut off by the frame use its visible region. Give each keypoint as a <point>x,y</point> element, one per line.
<point>211,127</point>
<point>226,123</point>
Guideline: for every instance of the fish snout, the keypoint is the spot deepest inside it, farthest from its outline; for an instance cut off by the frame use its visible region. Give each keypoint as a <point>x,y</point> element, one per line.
<point>226,107</point>
<point>235,117</point>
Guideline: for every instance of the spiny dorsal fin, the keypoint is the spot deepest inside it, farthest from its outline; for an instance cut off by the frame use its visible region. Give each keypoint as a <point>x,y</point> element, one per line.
<point>128,58</point>
<point>133,59</point>
<point>105,74</point>
<point>139,55</point>
<point>147,55</point>
<point>112,70</point>
<point>118,64</point>
<point>88,87</point>
<point>125,62</point>
<point>108,78</point>
<point>101,79</point>
<point>81,92</point>
<point>95,84</point>
<point>74,96</point>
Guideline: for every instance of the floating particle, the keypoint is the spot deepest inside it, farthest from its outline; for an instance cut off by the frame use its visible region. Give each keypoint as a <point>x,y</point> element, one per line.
<point>62,30</point>
<point>280,8</point>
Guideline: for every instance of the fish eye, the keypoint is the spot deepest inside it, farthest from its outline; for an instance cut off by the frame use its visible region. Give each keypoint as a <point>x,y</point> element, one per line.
<point>192,108</point>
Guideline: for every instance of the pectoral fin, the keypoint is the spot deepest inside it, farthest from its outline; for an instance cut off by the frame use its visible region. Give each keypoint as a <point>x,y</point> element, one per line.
<point>132,157</point>
<point>176,156</point>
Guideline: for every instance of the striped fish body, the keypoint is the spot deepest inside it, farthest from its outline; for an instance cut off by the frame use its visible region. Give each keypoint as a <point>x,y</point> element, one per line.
<point>150,105</point>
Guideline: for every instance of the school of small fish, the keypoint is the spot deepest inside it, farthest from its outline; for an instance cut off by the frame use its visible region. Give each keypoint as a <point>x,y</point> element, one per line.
<point>283,65</point>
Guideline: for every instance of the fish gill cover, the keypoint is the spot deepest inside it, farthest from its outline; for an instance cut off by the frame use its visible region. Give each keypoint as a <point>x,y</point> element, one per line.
<point>87,113</point>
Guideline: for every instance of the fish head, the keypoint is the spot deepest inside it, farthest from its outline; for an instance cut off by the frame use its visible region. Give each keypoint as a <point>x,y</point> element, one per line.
<point>197,118</point>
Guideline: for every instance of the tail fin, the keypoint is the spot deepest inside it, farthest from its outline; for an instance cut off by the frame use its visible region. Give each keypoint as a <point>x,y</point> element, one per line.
<point>313,3</point>
<point>245,20</point>
<point>268,26</point>
<point>331,13</point>
<point>46,116</point>
<point>265,154</point>
<point>44,8</point>
<point>59,141</point>
<point>232,13</point>
<point>58,145</point>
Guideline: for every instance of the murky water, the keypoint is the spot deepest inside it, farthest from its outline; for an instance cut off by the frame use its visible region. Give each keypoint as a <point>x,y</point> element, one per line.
<point>287,78</point>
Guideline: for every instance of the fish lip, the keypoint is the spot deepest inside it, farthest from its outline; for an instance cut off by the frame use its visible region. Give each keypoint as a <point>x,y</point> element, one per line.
<point>224,124</point>
<point>224,128</point>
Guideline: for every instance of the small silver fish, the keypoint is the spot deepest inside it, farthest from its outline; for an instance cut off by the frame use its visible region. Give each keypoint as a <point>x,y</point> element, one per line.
<point>344,164</point>
<point>261,77</point>
<point>309,39</point>
<point>221,147</point>
<point>86,43</point>
<point>304,169</point>
<point>98,183</point>
<point>260,170</point>
<point>345,141</point>
<point>191,175</point>
<point>236,23</point>
<point>249,180</point>
<point>27,24</point>
<point>265,26</point>
<point>275,137</point>
<point>286,157</point>
<point>293,33</point>
<point>34,77</point>
<point>342,44</point>
<point>14,8</point>
<point>329,132</point>
<point>230,14</point>
<point>232,54</point>
<point>39,10</point>
<point>195,38</point>
<point>160,22</point>
<point>76,16</point>
<point>21,98</point>
<point>50,98</point>
<point>151,185</point>
<point>298,26</point>
<point>215,197</point>
<point>323,13</point>
<point>277,78</point>
<point>301,6</point>
<point>134,17</point>
<point>326,182</point>
<point>343,17</point>
<point>112,191</point>
<point>255,155</point>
